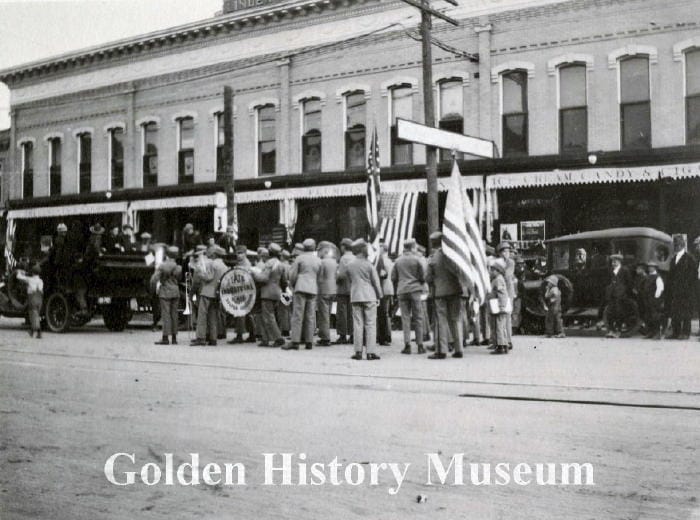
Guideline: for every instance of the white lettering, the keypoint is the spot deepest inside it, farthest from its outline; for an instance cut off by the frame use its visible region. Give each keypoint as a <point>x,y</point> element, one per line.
<point>458,462</point>
<point>109,469</point>
<point>207,472</point>
<point>286,469</point>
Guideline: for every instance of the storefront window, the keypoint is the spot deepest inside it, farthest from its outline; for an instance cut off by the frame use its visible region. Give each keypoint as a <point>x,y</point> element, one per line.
<point>401,106</point>
<point>573,112</point>
<point>692,96</point>
<point>355,117</point>
<point>85,162</point>
<point>55,166</point>
<point>515,117</point>
<point>451,105</point>
<point>311,138</point>
<point>150,154</point>
<point>28,170</point>
<point>635,106</point>
<point>116,147</point>
<point>267,124</point>
<point>186,150</point>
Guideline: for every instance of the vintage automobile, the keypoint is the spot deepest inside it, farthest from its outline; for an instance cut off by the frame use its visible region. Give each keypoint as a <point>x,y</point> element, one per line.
<point>581,262</point>
<point>114,286</point>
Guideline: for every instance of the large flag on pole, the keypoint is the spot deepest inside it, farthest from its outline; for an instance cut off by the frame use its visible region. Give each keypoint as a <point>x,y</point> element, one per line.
<point>373,187</point>
<point>461,237</point>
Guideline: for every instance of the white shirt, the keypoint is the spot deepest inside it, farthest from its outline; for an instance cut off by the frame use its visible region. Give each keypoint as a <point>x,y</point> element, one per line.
<point>659,287</point>
<point>679,254</point>
<point>616,270</point>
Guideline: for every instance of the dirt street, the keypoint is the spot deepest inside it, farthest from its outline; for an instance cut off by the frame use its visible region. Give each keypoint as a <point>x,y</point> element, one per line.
<point>71,401</point>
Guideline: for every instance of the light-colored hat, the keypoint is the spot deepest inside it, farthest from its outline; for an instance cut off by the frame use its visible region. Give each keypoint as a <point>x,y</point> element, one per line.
<point>285,254</point>
<point>309,244</point>
<point>436,235</point>
<point>172,251</point>
<point>409,243</point>
<point>552,279</point>
<point>274,248</point>
<point>241,249</point>
<point>146,235</point>
<point>346,242</point>
<point>263,251</point>
<point>62,228</point>
<point>616,256</point>
<point>215,252</point>
<point>502,246</point>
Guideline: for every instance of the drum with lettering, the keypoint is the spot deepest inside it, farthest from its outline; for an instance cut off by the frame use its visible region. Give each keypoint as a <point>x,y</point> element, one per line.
<point>237,292</point>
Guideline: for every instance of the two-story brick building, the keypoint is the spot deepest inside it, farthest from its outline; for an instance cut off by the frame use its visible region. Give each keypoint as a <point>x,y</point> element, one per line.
<point>594,106</point>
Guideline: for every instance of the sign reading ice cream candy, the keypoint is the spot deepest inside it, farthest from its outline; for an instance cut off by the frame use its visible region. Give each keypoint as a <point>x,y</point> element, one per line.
<point>237,292</point>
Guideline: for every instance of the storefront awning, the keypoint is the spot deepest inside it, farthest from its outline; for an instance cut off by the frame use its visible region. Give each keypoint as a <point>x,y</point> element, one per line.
<point>357,189</point>
<point>68,210</point>
<point>217,200</point>
<point>505,181</point>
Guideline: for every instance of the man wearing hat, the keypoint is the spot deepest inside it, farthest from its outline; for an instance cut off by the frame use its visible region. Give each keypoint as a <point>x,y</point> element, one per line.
<point>327,287</point>
<point>167,281</point>
<point>682,282</point>
<point>343,316</point>
<point>446,288</point>
<point>365,292</point>
<point>127,238</point>
<point>60,256</point>
<point>227,241</point>
<point>190,239</point>
<point>270,277</point>
<point>654,301</point>
<point>283,309</point>
<point>408,277</point>
<point>303,278</point>
<point>617,296</point>
<point>384,269</point>
<point>504,251</point>
<point>210,271</point>
<point>145,244</point>
<point>196,279</point>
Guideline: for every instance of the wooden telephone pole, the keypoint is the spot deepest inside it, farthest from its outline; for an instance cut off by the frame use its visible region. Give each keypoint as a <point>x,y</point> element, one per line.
<point>428,103</point>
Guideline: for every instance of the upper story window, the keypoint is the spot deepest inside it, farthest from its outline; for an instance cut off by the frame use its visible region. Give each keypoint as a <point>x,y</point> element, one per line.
<point>185,151</point>
<point>692,96</point>
<point>451,106</point>
<point>220,136</point>
<point>635,104</point>
<point>116,159</point>
<point>311,138</point>
<point>54,166</point>
<point>573,109</point>
<point>267,139</point>
<point>149,132</point>
<point>355,132</point>
<point>401,106</point>
<point>514,117</point>
<point>84,162</point>
<point>27,169</point>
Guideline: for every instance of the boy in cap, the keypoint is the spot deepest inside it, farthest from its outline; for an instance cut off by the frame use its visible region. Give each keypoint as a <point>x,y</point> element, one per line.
<point>35,298</point>
<point>343,317</point>
<point>167,278</point>
<point>554,326</point>
<point>654,301</point>
<point>303,278</point>
<point>504,252</point>
<point>365,292</point>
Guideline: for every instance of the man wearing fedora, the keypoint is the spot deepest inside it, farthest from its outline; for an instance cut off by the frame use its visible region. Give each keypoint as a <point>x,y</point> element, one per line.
<point>271,277</point>
<point>681,286</point>
<point>617,296</point>
<point>167,279</point>
<point>408,277</point>
<point>343,317</point>
<point>654,301</point>
<point>303,278</point>
<point>504,251</point>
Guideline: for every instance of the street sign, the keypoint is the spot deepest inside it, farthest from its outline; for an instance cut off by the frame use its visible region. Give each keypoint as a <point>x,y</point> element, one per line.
<point>417,133</point>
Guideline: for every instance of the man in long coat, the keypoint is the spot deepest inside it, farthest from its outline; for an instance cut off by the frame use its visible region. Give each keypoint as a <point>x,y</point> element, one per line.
<point>303,278</point>
<point>680,290</point>
<point>343,317</point>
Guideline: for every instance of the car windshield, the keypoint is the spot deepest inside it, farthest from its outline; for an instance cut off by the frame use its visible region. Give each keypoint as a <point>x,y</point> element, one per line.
<point>560,257</point>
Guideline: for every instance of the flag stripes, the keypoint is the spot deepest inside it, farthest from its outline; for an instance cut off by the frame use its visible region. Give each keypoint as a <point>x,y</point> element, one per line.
<point>373,185</point>
<point>395,228</point>
<point>461,241</point>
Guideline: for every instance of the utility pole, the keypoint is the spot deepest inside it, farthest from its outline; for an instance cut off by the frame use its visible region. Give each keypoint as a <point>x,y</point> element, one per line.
<point>428,103</point>
<point>227,163</point>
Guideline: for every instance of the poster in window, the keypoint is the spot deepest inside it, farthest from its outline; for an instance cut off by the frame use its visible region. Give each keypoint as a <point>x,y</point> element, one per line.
<point>189,166</point>
<point>153,165</point>
<point>509,232</point>
<point>532,230</point>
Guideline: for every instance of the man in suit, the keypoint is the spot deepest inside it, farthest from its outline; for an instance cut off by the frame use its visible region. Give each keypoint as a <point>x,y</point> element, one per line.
<point>446,288</point>
<point>343,317</point>
<point>504,251</point>
<point>303,278</point>
<point>210,271</point>
<point>408,277</point>
<point>227,241</point>
<point>271,277</point>
<point>681,286</point>
<point>365,292</point>
<point>384,269</point>
<point>617,296</point>
<point>283,311</point>
<point>327,287</point>
<point>168,275</point>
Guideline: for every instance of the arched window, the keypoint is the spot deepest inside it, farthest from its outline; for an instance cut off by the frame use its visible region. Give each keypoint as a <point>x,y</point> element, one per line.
<point>27,169</point>
<point>185,153</point>
<point>149,134</point>
<point>692,96</point>
<point>514,119</point>
<point>267,139</point>
<point>84,162</point>
<point>55,157</point>
<point>573,109</point>
<point>635,103</point>
<point>311,138</point>
<point>451,107</point>
<point>401,105</point>
<point>355,132</point>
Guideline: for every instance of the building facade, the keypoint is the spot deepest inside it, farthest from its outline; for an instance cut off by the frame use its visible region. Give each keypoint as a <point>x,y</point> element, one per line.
<point>594,106</point>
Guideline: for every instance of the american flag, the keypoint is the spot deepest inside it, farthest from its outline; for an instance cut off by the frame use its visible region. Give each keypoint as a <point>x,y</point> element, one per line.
<point>373,186</point>
<point>397,219</point>
<point>461,237</point>
<point>10,261</point>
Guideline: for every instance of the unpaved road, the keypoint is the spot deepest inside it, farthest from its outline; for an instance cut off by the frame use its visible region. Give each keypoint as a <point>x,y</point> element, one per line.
<point>69,402</point>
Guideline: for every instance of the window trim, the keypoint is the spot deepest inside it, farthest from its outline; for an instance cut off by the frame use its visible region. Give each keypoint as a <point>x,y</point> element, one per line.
<point>526,113</point>
<point>79,151</point>
<point>301,104</point>
<point>181,177</point>
<point>390,112</point>
<point>21,144</point>
<point>256,126</point>
<point>143,122</point>
<point>560,66</point>
<point>689,46</point>
<point>110,157</point>
<point>50,140</point>
<point>638,51</point>
<point>344,127</point>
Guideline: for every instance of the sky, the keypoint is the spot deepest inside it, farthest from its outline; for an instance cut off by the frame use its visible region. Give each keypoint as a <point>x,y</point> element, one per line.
<point>35,29</point>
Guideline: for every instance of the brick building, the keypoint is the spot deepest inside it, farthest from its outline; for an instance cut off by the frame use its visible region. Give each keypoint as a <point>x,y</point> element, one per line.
<point>594,106</point>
